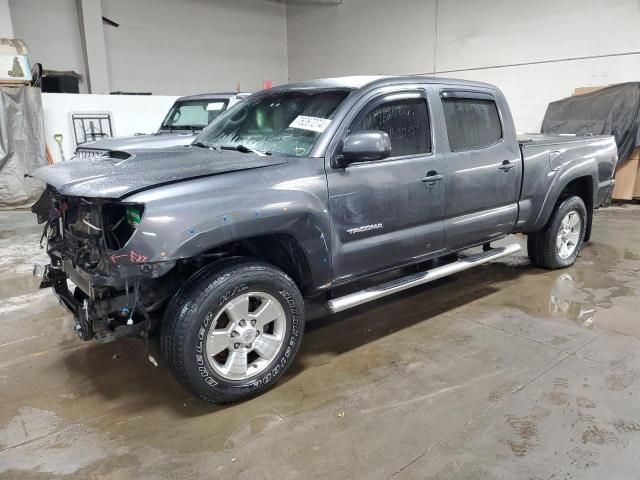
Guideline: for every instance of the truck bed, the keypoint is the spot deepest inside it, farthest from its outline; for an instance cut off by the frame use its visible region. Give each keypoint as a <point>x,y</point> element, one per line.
<point>545,159</point>
<point>536,139</point>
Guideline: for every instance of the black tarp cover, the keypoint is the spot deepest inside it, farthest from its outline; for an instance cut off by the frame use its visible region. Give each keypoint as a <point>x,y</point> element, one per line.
<point>612,110</point>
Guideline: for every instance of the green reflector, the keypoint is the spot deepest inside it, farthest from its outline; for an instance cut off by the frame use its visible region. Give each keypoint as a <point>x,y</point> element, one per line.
<point>133,217</point>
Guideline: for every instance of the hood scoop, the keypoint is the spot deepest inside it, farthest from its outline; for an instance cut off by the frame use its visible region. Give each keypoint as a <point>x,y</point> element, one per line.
<point>118,155</point>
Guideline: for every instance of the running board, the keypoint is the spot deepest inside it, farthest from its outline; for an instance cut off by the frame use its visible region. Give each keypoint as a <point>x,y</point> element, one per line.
<point>388,288</point>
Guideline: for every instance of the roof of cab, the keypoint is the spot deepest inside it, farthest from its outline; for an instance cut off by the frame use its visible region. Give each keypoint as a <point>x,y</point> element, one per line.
<point>214,96</point>
<point>369,81</point>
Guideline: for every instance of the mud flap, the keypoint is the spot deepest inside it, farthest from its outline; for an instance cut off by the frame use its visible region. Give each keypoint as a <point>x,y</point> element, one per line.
<point>587,232</point>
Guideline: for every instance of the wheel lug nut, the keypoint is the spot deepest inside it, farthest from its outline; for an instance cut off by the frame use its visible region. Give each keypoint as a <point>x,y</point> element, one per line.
<point>236,346</point>
<point>253,323</point>
<point>234,334</point>
<point>257,332</point>
<point>242,323</point>
<point>248,345</point>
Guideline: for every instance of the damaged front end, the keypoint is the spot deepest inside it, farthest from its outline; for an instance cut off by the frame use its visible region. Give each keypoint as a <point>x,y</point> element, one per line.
<point>114,290</point>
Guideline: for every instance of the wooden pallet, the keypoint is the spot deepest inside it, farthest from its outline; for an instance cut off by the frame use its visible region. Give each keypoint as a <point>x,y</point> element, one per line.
<point>583,90</point>
<point>14,83</point>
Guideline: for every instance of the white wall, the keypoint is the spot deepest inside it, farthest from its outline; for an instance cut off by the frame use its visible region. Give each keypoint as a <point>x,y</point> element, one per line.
<point>6,26</point>
<point>474,40</point>
<point>534,51</point>
<point>51,31</point>
<point>360,37</point>
<point>130,114</point>
<point>167,47</point>
<point>195,46</point>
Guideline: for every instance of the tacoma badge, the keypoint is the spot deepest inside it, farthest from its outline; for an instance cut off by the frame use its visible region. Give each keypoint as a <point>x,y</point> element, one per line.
<point>364,228</point>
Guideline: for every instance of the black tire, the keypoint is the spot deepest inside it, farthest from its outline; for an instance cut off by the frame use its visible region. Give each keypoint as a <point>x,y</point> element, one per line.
<point>204,295</point>
<point>541,245</point>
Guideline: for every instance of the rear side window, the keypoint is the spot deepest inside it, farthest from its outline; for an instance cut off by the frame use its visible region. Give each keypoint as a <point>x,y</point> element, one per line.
<point>406,121</point>
<point>471,122</point>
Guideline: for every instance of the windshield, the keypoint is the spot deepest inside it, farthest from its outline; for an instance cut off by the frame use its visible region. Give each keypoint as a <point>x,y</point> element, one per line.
<point>286,122</point>
<point>193,114</point>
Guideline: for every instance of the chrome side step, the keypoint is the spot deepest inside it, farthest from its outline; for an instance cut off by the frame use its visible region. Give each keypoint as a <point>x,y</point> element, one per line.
<point>388,288</point>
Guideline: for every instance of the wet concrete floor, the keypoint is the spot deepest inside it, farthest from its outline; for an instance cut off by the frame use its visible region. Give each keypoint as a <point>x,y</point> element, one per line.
<point>505,371</point>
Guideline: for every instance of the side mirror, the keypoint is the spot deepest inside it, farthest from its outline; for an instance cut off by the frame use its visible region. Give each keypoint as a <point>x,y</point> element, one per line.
<point>365,146</point>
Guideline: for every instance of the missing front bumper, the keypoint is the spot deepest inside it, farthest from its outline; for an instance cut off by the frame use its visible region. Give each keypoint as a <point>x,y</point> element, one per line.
<point>91,315</point>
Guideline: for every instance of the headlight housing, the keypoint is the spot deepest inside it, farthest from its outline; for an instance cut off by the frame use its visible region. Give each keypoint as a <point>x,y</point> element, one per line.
<point>120,220</point>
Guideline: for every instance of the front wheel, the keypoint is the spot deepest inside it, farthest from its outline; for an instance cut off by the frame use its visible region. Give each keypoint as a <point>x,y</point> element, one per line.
<point>233,330</point>
<point>559,243</point>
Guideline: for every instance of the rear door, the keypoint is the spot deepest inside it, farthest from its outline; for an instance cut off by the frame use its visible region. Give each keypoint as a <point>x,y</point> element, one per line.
<point>483,167</point>
<point>385,213</point>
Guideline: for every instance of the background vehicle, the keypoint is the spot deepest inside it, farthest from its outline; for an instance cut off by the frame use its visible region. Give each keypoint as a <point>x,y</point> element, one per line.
<point>299,190</point>
<point>185,120</point>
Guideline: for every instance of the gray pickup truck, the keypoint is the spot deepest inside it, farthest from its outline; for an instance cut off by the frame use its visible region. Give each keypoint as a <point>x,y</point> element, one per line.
<point>184,121</point>
<point>295,192</point>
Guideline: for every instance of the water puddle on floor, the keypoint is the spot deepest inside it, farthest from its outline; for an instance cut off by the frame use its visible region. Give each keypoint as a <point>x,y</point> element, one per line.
<point>598,293</point>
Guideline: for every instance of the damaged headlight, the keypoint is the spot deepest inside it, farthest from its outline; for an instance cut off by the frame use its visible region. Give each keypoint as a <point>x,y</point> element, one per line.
<point>120,221</point>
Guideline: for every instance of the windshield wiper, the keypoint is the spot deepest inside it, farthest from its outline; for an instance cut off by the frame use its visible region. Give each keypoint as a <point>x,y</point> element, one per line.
<point>244,149</point>
<point>180,128</point>
<point>202,145</point>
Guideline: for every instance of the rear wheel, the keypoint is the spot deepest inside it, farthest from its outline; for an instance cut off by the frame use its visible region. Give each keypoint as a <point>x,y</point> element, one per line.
<point>559,243</point>
<point>233,330</point>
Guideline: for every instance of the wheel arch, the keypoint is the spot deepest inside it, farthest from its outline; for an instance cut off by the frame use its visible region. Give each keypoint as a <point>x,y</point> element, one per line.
<point>279,249</point>
<point>581,185</point>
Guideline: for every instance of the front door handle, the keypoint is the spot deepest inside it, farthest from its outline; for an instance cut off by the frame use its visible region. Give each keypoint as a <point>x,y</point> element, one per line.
<point>506,166</point>
<point>432,177</point>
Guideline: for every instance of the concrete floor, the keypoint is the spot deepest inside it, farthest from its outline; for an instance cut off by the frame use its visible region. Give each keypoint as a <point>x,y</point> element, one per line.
<point>505,371</point>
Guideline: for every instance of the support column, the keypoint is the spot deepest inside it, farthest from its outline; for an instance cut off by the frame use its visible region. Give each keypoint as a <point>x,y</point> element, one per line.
<point>95,53</point>
<point>6,26</point>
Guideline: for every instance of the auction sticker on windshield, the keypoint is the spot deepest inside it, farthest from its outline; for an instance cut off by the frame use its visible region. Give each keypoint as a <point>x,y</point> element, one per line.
<point>315,124</point>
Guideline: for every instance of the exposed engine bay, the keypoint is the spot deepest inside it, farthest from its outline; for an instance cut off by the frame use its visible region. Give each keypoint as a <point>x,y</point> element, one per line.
<point>85,239</point>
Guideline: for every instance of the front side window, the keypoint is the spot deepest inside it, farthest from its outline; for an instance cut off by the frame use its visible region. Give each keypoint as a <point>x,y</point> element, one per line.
<point>471,122</point>
<point>283,122</point>
<point>193,114</point>
<point>406,121</point>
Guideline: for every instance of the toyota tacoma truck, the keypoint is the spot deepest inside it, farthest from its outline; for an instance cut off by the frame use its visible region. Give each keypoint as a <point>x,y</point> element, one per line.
<point>186,118</point>
<point>296,192</point>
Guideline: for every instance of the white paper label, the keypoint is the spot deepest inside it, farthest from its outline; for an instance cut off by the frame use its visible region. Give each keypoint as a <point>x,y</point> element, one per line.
<point>315,124</point>
<point>215,106</point>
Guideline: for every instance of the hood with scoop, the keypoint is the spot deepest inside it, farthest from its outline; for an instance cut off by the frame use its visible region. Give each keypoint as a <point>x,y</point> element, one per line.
<point>124,173</point>
<point>135,142</point>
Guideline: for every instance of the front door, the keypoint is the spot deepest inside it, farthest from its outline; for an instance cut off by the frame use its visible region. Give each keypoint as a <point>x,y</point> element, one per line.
<point>389,212</point>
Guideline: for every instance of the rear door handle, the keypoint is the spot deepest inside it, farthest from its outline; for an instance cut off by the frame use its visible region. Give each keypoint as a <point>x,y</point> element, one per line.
<point>432,177</point>
<point>506,166</point>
